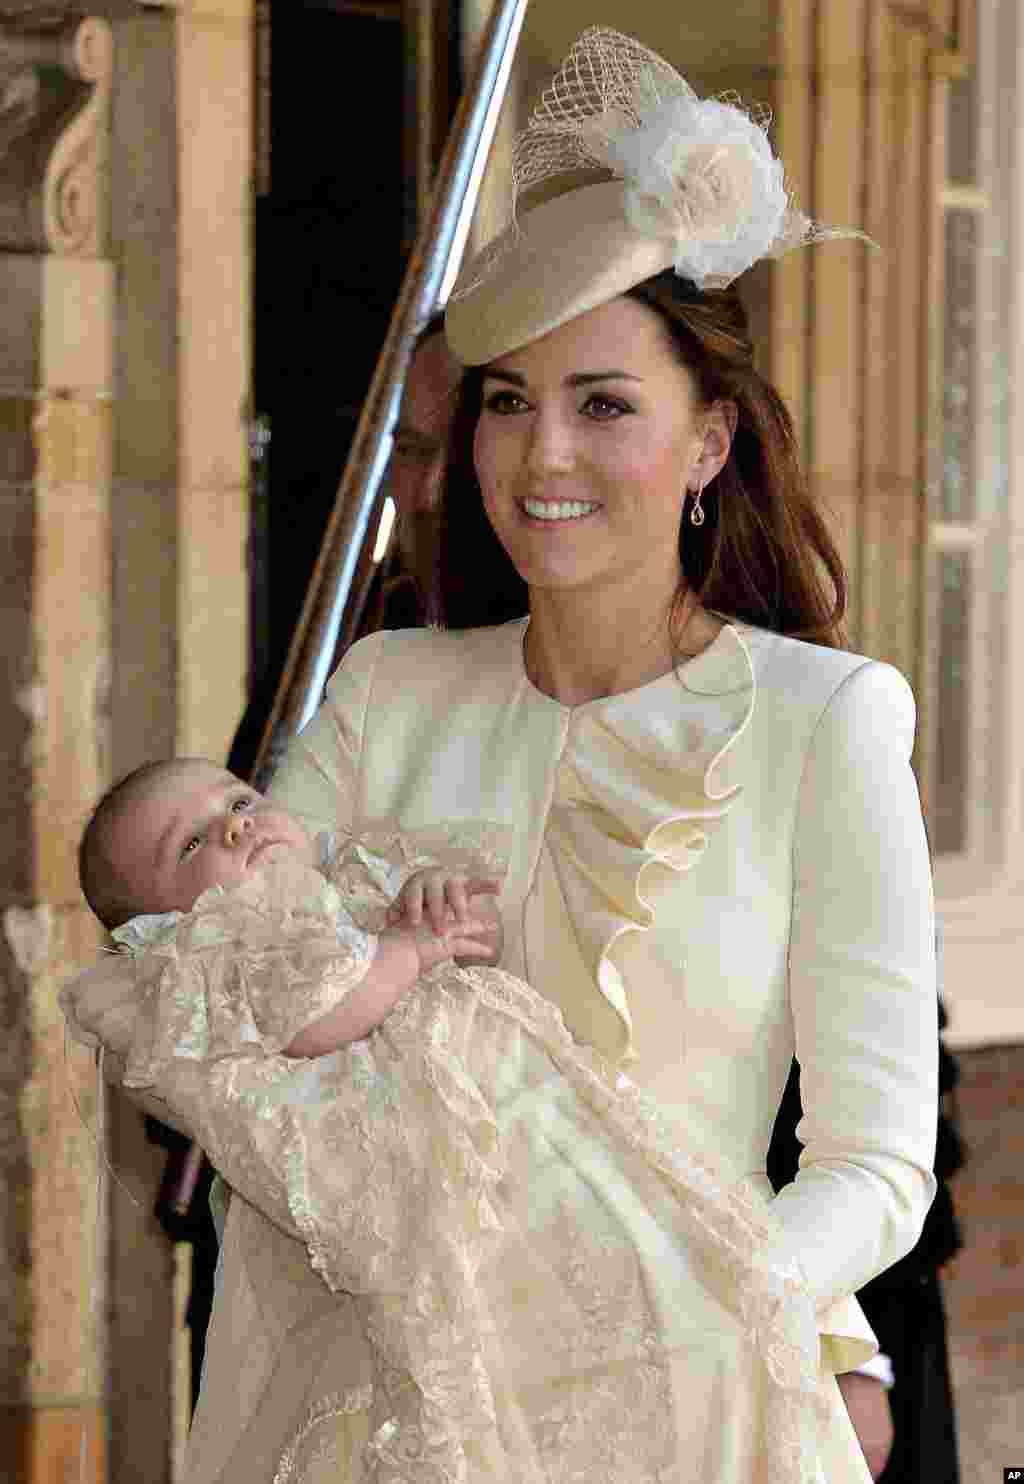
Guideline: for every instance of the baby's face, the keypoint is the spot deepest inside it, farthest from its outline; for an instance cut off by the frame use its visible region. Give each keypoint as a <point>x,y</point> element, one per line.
<point>200,826</point>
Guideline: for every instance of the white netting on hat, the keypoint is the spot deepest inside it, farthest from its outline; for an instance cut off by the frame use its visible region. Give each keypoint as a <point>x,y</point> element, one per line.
<point>700,173</point>
<point>607,82</point>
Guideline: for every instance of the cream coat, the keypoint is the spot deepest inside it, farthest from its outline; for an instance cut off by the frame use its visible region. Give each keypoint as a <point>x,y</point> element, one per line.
<point>707,875</point>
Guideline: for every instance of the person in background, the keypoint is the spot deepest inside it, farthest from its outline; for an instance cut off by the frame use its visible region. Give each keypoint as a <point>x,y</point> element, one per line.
<point>408,591</point>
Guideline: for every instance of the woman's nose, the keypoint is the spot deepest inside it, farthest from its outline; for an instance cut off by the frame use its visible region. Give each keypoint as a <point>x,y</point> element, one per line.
<point>551,448</point>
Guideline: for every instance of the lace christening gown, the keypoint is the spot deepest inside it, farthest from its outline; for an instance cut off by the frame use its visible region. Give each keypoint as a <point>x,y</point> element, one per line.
<point>473,1176</point>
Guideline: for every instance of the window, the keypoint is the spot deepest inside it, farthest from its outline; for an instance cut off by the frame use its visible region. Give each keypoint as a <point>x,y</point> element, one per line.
<point>970,465</point>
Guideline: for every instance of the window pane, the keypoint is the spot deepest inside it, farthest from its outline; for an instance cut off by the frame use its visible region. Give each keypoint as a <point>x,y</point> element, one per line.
<point>960,410</point>
<point>962,132</point>
<point>949,812</point>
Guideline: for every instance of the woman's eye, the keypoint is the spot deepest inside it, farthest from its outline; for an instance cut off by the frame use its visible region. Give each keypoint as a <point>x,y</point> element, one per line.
<point>191,846</point>
<point>504,403</point>
<point>604,409</point>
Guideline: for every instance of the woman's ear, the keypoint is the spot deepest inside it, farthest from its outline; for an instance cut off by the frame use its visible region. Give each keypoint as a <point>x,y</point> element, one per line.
<point>722,418</point>
<point>720,421</point>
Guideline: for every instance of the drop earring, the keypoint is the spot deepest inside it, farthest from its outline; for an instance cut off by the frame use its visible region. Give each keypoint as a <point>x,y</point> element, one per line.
<point>697,512</point>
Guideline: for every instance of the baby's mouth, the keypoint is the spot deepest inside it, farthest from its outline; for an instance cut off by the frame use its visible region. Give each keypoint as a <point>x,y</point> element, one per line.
<point>260,849</point>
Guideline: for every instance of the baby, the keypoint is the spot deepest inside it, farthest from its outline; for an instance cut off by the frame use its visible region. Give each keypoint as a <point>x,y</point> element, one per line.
<point>446,1155</point>
<point>172,830</point>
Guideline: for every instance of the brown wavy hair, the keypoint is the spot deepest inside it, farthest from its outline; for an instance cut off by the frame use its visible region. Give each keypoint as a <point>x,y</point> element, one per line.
<point>764,554</point>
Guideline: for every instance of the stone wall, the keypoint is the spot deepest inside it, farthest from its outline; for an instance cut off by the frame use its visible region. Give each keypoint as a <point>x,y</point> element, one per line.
<point>123,513</point>
<point>57,390</point>
<point>984,1284</point>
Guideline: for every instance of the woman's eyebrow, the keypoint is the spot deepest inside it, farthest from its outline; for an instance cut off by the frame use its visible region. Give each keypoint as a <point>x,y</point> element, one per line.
<point>584,378</point>
<point>578,378</point>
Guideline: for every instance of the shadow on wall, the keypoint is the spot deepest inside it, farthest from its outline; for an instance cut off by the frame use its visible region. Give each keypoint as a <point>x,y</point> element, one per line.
<point>20,704</point>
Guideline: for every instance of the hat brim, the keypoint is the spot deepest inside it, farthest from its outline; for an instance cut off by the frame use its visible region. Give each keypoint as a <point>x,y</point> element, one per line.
<point>571,254</point>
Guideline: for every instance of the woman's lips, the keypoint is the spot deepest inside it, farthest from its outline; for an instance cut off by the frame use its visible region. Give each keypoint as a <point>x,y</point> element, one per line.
<point>556,512</point>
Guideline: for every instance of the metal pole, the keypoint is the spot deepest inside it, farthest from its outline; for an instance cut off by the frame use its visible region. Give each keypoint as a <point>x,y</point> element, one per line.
<point>307,668</point>
<point>327,601</point>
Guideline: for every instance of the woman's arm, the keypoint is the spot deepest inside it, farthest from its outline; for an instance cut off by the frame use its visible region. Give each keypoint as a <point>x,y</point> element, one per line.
<point>318,777</point>
<point>862,991</point>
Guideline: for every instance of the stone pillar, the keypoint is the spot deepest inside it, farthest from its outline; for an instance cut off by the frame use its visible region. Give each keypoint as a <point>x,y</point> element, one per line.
<point>125,165</point>
<point>144,681</point>
<point>215,158</point>
<point>54,505</point>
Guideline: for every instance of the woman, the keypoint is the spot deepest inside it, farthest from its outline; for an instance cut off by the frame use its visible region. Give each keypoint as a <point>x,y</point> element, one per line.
<point>717,855</point>
<point>720,857</point>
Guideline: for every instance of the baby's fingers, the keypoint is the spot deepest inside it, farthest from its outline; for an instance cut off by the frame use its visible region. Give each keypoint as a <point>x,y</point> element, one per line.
<point>410,903</point>
<point>465,946</point>
<point>491,885</point>
<point>436,904</point>
<point>457,898</point>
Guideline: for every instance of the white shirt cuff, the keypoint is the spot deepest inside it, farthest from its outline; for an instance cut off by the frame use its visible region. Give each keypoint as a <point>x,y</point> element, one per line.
<point>880,1367</point>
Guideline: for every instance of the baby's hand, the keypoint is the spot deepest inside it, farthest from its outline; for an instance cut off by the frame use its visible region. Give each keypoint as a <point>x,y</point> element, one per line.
<point>441,895</point>
<point>474,942</point>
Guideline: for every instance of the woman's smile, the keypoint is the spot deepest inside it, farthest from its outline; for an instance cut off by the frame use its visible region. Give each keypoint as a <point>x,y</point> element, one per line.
<point>556,512</point>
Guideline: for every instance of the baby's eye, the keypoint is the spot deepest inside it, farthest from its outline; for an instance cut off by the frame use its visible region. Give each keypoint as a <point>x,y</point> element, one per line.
<point>604,409</point>
<point>191,846</point>
<point>504,403</point>
<point>239,806</point>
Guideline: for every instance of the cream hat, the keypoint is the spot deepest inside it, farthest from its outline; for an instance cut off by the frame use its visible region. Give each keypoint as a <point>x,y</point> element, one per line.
<point>695,186</point>
<point>571,254</point>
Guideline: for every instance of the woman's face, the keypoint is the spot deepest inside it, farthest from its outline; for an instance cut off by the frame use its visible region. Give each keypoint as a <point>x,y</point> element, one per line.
<point>587,441</point>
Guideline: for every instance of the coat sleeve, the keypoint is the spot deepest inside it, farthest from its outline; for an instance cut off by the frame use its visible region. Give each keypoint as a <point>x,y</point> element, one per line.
<point>318,777</point>
<point>862,993</point>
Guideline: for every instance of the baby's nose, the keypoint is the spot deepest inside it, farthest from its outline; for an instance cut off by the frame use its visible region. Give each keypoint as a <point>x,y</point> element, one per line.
<point>235,827</point>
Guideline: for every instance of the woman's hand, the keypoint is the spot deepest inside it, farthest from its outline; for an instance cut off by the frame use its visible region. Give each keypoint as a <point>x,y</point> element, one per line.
<point>867,1402</point>
<point>438,893</point>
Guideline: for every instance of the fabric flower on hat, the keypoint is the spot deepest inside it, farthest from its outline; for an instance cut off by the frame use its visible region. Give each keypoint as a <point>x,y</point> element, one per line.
<point>703,174</point>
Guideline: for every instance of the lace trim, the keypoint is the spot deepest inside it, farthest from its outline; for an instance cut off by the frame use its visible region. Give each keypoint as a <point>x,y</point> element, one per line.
<point>341,1404</point>
<point>250,966</point>
<point>731,1225</point>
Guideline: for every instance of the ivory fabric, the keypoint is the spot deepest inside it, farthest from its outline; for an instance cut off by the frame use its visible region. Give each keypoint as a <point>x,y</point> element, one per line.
<point>452,1163</point>
<point>704,875</point>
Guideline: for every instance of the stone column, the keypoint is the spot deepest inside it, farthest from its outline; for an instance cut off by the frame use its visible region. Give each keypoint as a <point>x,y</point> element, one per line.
<point>56,395</point>
<point>125,165</point>
<point>214,70</point>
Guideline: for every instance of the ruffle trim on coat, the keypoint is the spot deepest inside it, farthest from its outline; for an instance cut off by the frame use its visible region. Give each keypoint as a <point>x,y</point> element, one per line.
<point>645,802</point>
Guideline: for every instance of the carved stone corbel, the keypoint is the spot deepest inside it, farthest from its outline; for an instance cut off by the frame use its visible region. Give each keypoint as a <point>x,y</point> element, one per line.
<point>56,76</point>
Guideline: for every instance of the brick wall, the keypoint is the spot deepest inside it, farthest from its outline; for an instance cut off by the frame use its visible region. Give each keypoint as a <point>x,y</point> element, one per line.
<point>984,1285</point>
